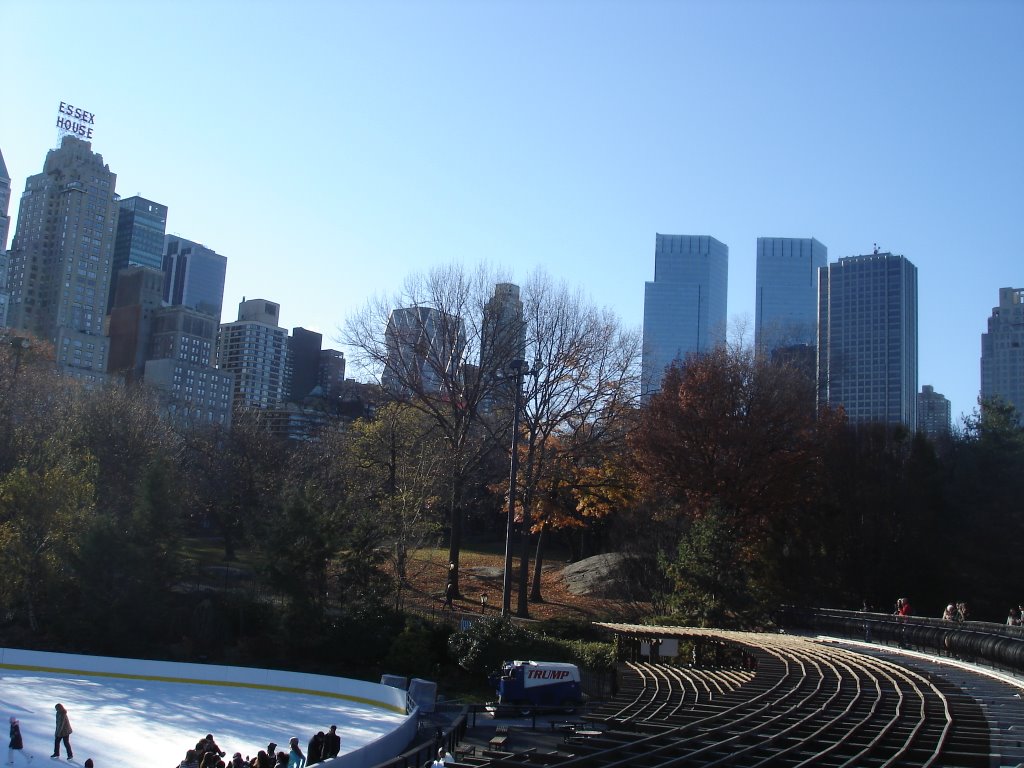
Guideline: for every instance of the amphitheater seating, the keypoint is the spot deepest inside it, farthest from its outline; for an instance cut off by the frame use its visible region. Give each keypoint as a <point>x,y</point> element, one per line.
<point>802,703</point>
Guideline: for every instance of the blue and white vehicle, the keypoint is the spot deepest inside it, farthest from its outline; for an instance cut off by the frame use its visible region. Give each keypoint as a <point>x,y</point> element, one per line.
<point>538,684</point>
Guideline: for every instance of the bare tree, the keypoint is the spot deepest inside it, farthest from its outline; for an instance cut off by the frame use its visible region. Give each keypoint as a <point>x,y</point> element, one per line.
<point>431,346</point>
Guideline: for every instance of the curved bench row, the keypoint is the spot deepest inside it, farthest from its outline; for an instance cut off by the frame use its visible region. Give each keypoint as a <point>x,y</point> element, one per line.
<point>806,704</point>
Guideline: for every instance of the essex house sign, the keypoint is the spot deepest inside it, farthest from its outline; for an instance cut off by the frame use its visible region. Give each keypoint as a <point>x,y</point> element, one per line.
<point>75,121</point>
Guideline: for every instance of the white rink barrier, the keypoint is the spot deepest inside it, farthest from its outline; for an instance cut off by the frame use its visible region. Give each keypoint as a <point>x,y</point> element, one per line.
<point>372,694</point>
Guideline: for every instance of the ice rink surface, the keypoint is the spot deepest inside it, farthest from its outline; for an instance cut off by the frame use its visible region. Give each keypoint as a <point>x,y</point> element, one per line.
<point>127,721</point>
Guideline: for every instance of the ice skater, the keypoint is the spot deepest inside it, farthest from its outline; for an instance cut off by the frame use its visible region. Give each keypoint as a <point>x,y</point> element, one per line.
<point>16,745</point>
<point>62,732</point>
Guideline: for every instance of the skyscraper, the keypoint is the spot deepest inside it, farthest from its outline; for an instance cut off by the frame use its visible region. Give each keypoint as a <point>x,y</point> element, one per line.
<point>786,306</point>
<point>60,264</point>
<point>139,240</point>
<point>502,341</point>
<point>425,351</point>
<point>933,413</point>
<point>5,224</point>
<point>303,364</point>
<point>331,376</point>
<point>194,276</point>
<point>1002,351</point>
<point>685,306</point>
<point>253,348</point>
<point>867,338</point>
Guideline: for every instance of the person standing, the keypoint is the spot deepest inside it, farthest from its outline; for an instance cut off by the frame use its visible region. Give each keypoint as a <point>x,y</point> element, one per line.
<point>332,743</point>
<point>62,732</point>
<point>16,745</point>
<point>295,757</point>
<point>315,750</point>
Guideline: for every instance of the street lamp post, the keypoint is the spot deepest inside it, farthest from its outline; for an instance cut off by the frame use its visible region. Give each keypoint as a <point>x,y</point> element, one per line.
<point>519,368</point>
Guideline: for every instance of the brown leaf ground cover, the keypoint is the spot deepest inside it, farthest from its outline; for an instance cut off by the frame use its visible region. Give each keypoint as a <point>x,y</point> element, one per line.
<point>481,573</point>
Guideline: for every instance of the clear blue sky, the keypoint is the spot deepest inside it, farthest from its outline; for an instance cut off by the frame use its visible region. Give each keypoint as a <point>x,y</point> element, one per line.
<point>329,149</point>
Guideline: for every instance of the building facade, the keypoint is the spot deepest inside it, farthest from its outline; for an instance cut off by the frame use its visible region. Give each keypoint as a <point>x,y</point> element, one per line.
<point>59,269</point>
<point>5,225</point>
<point>139,239</point>
<point>425,351</point>
<point>867,338</point>
<point>331,372</point>
<point>1002,351</point>
<point>180,367</point>
<point>303,363</point>
<point>933,413</point>
<point>685,309</point>
<point>191,394</point>
<point>137,298</point>
<point>194,276</point>
<point>786,305</point>
<point>253,349</point>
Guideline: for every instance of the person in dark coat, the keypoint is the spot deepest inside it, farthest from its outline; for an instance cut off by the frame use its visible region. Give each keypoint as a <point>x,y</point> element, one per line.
<point>315,749</point>
<point>332,743</point>
<point>62,732</point>
<point>16,745</point>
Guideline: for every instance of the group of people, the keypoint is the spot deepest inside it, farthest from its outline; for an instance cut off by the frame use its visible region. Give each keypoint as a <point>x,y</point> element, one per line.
<point>322,746</point>
<point>1015,618</point>
<point>956,612</point>
<point>206,754</point>
<point>61,735</point>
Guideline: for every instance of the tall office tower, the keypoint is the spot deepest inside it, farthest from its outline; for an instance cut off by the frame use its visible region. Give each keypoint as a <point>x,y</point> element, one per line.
<point>194,276</point>
<point>253,348</point>
<point>786,307</point>
<point>867,338</point>
<point>332,372</point>
<point>5,225</point>
<point>1002,351</point>
<point>425,351</point>
<point>60,264</point>
<point>5,204</point>
<point>504,329</point>
<point>303,363</point>
<point>933,413</point>
<point>685,306</point>
<point>137,297</point>
<point>139,240</point>
<point>180,368</point>
<point>502,341</point>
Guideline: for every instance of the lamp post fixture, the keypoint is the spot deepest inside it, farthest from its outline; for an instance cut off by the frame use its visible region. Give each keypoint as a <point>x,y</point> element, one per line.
<point>519,369</point>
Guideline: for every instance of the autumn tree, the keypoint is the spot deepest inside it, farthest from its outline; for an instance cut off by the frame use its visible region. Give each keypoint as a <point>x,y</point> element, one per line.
<point>583,377</point>
<point>735,433</point>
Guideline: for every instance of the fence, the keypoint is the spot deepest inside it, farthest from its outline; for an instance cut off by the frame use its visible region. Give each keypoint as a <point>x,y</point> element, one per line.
<point>996,645</point>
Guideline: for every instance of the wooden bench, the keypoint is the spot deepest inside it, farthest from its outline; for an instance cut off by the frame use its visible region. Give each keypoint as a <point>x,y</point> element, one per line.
<point>565,727</point>
<point>499,738</point>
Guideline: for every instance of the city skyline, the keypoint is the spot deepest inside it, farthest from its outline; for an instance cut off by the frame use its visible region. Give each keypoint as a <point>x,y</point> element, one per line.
<point>331,151</point>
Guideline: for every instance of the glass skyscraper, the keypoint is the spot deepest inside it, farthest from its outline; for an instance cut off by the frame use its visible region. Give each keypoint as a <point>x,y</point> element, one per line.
<point>867,338</point>
<point>685,305</point>
<point>194,276</point>
<point>139,240</point>
<point>1002,351</point>
<point>786,308</point>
